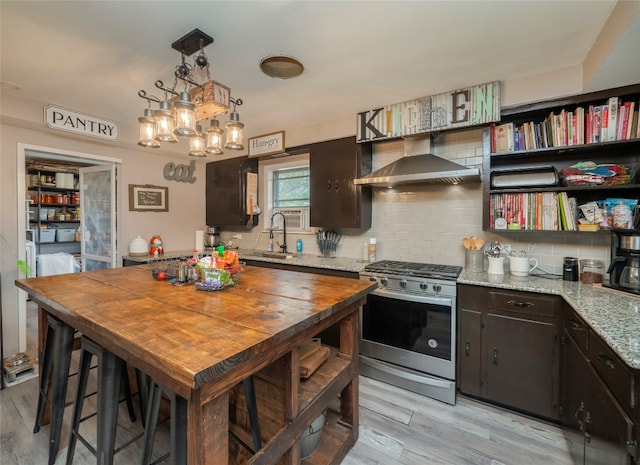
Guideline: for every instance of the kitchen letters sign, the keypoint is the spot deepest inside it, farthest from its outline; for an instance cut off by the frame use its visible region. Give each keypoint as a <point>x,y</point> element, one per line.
<point>79,123</point>
<point>458,108</point>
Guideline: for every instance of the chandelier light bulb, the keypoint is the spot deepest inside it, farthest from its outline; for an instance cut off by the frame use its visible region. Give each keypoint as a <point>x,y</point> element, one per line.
<point>165,123</point>
<point>214,138</point>
<point>196,144</point>
<point>147,130</point>
<point>185,116</point>
<point>234,132</point>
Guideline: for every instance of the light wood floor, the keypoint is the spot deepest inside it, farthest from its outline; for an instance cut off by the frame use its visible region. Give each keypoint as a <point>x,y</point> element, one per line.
<point>397,427</point>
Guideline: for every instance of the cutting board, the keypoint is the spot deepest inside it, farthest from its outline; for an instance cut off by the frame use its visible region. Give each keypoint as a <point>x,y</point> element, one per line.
<point>312,362</point>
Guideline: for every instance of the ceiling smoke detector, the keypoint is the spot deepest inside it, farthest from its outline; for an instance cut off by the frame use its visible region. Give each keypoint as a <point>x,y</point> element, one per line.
<point>282,67</point>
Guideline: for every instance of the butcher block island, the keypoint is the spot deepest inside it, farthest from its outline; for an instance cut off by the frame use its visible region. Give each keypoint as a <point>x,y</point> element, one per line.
<point>203,344</point>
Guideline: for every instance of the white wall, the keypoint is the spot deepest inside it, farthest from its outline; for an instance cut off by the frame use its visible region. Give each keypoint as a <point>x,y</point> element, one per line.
<point>139,166</point>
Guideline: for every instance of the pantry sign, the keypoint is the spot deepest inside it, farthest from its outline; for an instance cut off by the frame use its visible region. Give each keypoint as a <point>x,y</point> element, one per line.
<point>64,119</point>
<point>455,109</point>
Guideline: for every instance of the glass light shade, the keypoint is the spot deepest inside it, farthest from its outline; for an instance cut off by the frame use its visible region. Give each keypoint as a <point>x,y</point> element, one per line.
<point>165,123</point>
<point>147,130</point>
<point>196,144</point>
<point>185,116</point>
<point>234,132</point>
<point>214,138</point>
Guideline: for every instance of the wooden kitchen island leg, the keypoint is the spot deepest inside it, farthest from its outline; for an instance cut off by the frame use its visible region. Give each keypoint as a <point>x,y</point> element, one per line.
<point>208,430</point>
<point>349,398</point>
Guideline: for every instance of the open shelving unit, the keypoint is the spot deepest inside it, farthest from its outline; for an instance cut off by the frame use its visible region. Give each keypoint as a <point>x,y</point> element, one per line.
<point>331,389</point>
<point>45,196</point>
<point>621,152</point>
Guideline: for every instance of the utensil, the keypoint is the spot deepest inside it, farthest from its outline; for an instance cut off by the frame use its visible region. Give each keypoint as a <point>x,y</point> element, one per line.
<point>328,242</point>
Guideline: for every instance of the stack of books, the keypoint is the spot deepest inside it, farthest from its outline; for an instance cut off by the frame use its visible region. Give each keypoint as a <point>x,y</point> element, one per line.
<point>613,121</point>
<point>535,211</point>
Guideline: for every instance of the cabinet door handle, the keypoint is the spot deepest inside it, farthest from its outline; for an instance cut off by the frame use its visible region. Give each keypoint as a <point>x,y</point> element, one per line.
<point>467,347</point>
<point>606,361</point>
<point>337,184</point>
<point>577,412</point>
<point>329,184</point>
<point>495,357</point>
<point>574,324</point>
<point>515,303</point>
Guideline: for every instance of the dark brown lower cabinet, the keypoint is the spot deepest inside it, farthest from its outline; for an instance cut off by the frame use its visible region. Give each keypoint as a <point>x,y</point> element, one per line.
<point>470,322</point>
<point>597,428</point>
<point>521,356</point>
<point>532,352</point>
<point>508,348</point>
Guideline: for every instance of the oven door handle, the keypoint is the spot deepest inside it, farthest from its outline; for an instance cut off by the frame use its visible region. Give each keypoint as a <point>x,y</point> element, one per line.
<point>413,298</point>
<point>407,375</point>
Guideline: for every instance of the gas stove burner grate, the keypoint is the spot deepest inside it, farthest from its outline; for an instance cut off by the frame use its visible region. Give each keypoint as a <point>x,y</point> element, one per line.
<point>423,270</point>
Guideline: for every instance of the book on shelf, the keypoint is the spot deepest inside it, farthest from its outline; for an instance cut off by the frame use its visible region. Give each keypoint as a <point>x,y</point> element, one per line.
<point>567,212</point>
<point>633,126</point>
<point>623,121</point>
<point>579,117</point>
<point>504,138</point>
<point>612,119</point>
<point>535,211</point>
<point>604,123</point>
<point>633,117</point>
<point>597,123</point>
<point>492,138</point>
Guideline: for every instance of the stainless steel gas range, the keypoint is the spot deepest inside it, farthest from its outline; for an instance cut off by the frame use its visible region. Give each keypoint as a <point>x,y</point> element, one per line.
<point>408,327</point>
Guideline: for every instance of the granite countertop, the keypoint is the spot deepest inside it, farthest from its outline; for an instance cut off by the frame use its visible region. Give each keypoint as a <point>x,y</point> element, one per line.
<point>613,315</point>
<point>306,260</point>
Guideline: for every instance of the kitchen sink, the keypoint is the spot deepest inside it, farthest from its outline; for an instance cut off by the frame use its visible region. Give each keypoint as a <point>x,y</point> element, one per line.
<point>277,255</point>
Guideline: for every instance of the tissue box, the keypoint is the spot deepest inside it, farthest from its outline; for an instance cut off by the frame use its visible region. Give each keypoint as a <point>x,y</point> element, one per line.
<point>65,235</point>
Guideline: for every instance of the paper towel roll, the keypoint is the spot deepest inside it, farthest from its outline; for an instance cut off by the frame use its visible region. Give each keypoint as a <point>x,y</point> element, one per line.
<point>60,180</point>
<point>69,181</point>
<point>199,241</point>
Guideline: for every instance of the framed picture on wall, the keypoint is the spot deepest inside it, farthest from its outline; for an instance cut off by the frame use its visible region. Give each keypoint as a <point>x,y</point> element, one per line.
<point>148,198</point>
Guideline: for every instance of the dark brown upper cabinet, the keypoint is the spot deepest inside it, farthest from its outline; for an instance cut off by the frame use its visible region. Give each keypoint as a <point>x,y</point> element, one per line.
<point>226,192</point>
<point>336,202</point>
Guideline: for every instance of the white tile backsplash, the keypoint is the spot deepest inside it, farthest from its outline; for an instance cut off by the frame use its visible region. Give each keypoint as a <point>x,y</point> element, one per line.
<point>427,223</point>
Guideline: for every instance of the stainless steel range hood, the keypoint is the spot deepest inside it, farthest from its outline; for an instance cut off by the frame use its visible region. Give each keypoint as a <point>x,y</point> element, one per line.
<point>419,166</point>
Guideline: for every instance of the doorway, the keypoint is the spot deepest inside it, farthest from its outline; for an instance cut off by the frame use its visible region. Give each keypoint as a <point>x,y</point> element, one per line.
<point>27,152</point>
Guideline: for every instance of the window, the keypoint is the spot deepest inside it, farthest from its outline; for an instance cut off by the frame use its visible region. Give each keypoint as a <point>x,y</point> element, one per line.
<point>291,187</point>
<point>286,186</point>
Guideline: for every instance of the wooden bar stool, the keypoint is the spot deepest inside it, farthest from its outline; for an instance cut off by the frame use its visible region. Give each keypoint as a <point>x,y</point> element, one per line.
<point>112,373</point>
<point>54,374</point>
<point>178,426</point>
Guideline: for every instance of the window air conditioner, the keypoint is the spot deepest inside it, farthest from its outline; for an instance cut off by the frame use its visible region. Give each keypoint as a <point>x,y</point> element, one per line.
<point>297,219</point>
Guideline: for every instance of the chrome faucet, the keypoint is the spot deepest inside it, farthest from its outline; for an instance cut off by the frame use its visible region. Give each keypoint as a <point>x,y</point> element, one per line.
<point>283,246</point>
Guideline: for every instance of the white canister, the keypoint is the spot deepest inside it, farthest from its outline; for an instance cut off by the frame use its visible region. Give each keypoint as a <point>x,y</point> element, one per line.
<point>496,265</point>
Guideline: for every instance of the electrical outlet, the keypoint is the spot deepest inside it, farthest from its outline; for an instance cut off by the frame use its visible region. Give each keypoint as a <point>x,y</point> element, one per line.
<point>236,236</point>
<point>506,249</point>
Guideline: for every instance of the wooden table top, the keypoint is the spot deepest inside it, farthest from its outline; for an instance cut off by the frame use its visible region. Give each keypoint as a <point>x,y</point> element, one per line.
<point>187,338</point>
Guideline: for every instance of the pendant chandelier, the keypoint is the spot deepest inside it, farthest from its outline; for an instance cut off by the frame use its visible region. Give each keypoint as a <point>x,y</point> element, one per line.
<point>180,113</point>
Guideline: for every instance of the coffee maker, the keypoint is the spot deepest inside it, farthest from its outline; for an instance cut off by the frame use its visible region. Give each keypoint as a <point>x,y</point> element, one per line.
<point>212,237</point>
<point>624,270</point>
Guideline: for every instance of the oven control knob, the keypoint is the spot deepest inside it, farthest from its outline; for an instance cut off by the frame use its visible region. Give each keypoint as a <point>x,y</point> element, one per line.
<point>384,281</point>
<point>424,286</point>
<point>403,283</point>
<point>437,287</point>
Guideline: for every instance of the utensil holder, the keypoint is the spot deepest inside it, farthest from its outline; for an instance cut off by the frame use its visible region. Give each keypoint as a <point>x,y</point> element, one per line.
<point>474,261</point>
<point>496,265</point>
